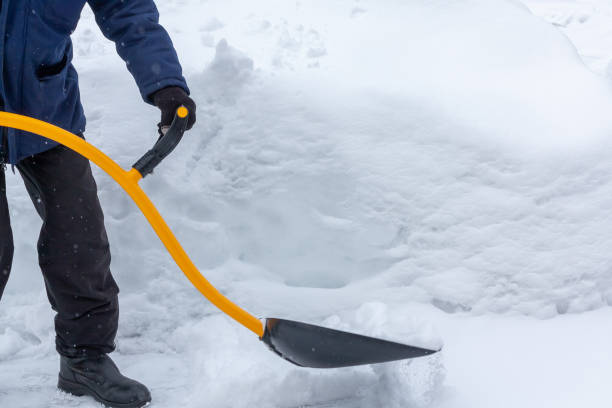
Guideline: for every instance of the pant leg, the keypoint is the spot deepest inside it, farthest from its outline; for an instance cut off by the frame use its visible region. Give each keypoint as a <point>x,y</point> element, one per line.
<point>73,251</point>
<point>6,236</point>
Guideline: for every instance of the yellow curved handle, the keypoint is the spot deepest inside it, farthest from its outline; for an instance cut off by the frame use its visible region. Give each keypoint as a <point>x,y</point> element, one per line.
<point>128,180</point>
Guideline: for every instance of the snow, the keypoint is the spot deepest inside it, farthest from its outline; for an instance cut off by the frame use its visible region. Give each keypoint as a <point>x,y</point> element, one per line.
<point>428,171</point>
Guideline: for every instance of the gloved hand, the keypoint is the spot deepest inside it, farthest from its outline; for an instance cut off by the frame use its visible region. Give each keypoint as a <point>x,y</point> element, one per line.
<point>168,100</point>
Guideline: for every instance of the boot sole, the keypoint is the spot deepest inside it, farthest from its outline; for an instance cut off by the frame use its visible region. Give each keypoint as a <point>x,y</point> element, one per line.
<point>79,390</point>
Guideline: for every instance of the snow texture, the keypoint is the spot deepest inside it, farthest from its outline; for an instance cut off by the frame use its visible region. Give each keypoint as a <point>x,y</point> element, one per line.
<point>419,171</point>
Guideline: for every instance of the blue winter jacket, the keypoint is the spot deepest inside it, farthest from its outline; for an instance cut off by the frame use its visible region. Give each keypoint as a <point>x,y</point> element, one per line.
<point>38,78</point>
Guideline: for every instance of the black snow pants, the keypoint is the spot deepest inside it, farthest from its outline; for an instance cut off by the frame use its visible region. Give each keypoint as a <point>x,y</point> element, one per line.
<point>73,250</point>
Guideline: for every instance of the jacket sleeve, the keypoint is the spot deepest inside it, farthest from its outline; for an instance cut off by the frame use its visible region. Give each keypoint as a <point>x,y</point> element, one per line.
<point>142,42</point>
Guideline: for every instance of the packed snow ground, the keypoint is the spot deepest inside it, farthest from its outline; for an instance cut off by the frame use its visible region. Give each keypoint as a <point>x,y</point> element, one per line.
<point>422,171</point>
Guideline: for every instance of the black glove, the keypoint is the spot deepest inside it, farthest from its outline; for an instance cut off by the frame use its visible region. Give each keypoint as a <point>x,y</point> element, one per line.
<point>168,100</point>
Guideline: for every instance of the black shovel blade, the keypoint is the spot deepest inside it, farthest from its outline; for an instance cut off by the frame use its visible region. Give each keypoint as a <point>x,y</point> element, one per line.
<point>307,345</point>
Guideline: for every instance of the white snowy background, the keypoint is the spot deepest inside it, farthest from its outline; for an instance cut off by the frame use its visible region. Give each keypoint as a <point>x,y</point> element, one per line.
<point>429,171</point>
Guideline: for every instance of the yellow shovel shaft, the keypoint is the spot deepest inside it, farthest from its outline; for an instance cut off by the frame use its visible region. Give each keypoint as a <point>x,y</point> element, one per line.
<point>128,180</point>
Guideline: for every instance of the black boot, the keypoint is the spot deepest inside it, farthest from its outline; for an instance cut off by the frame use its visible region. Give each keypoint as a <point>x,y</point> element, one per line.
<point>100,378</point>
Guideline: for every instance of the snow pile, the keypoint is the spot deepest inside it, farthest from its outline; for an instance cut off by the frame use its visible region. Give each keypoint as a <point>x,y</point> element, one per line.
<point>370,166</point>
<point>418,152</point>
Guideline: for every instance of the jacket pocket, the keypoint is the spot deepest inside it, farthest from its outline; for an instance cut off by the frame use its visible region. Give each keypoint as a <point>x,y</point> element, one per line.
<point>45,71</point>
<point>52,91</point>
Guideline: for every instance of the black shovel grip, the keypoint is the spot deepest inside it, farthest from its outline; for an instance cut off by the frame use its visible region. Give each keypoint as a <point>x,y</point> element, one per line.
<point>165,145</point>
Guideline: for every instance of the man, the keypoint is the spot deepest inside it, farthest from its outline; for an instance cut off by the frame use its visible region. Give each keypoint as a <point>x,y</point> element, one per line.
<point>39,80</point>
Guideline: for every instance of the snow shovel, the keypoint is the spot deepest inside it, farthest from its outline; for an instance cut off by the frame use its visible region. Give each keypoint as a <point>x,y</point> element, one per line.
<point>300,343</point>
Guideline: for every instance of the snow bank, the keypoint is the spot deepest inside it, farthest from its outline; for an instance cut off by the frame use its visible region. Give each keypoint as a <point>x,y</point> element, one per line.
<point>455,151</point>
